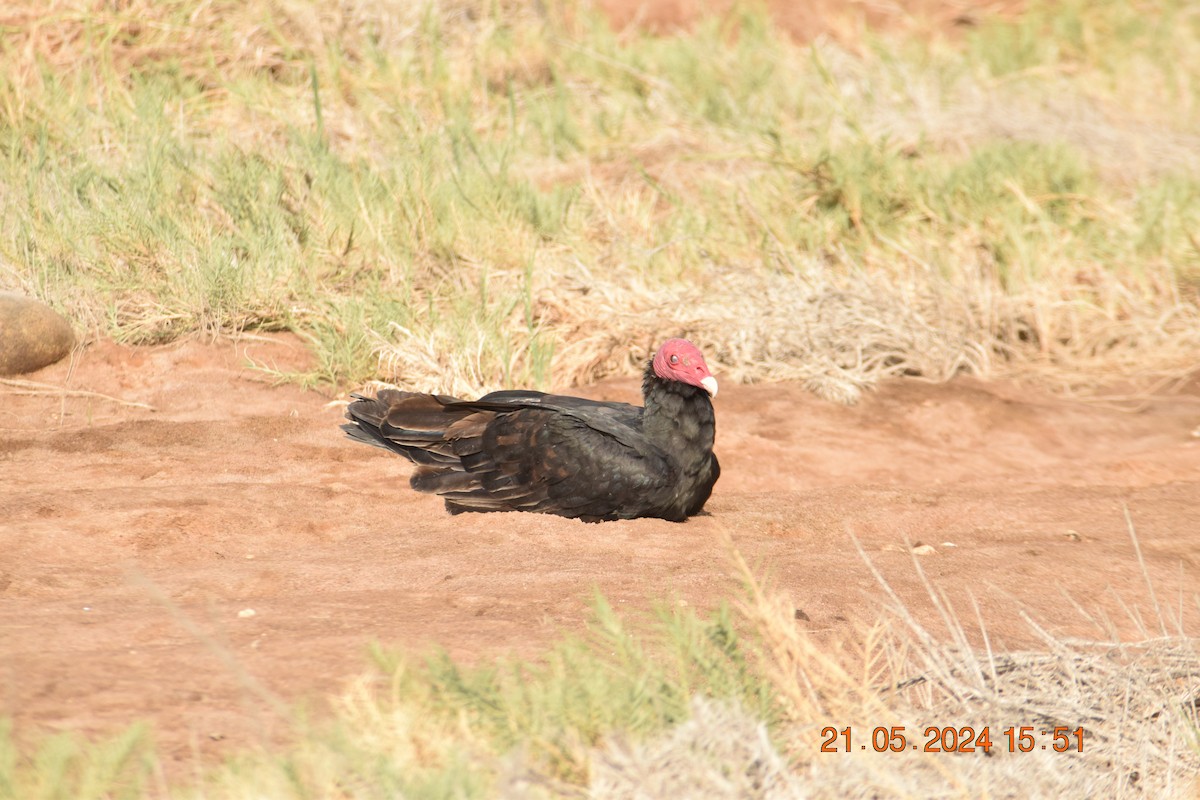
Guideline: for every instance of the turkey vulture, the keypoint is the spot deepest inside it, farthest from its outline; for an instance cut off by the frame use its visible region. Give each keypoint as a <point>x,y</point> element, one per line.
<point>532,451</point>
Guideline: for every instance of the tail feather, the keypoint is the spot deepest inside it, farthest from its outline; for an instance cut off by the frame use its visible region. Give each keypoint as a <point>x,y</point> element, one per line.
<point>460,451</point>
<point>420,427</point>
<point>367,435</point>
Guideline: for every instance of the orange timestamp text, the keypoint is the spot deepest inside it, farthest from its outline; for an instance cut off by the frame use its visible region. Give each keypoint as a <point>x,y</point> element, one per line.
<point>950,739</point>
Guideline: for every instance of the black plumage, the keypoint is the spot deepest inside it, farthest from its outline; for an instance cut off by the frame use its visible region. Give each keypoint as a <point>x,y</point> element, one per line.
<point>532,451</point>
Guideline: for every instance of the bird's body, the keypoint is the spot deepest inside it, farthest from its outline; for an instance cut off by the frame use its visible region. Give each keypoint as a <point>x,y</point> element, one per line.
<point>531,451</point>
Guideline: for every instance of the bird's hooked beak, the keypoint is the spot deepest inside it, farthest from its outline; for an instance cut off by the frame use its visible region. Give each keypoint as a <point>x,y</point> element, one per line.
<point>709,384</point>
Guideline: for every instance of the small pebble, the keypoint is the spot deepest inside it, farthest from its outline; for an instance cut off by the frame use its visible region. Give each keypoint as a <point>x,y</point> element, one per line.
<point>246,613</point>
<point>924,550</point>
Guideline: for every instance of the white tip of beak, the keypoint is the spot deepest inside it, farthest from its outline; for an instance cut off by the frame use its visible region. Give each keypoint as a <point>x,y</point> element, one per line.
<point>710,385</point>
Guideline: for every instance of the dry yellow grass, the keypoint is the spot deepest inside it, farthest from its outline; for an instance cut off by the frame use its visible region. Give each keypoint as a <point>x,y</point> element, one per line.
<point>1138,704</point>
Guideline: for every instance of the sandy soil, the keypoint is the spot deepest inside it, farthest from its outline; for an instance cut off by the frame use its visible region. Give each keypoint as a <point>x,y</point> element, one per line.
<point>131,538</point>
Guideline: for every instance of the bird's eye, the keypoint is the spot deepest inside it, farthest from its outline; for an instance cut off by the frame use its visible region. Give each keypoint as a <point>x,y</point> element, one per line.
<point>674,359</point>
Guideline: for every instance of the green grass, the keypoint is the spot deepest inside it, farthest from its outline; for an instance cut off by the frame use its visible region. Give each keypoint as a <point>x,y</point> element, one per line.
<point>615,679</point>
<point>411,179</point>
<point>67,767</point>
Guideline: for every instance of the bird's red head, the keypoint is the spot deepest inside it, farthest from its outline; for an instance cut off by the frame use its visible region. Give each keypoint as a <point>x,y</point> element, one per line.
<point>680,360</point>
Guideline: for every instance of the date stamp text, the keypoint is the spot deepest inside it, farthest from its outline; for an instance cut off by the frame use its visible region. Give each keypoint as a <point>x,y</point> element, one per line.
<point>950,739</point>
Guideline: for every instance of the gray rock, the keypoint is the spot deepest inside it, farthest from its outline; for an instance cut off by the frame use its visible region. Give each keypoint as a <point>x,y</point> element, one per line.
<point>32,335</point>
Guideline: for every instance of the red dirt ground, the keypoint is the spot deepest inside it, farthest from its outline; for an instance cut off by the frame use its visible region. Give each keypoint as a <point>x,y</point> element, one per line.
<point>130,539</point>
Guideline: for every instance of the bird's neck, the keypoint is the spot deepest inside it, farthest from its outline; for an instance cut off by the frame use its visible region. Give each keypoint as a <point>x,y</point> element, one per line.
<point>678,417</point>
